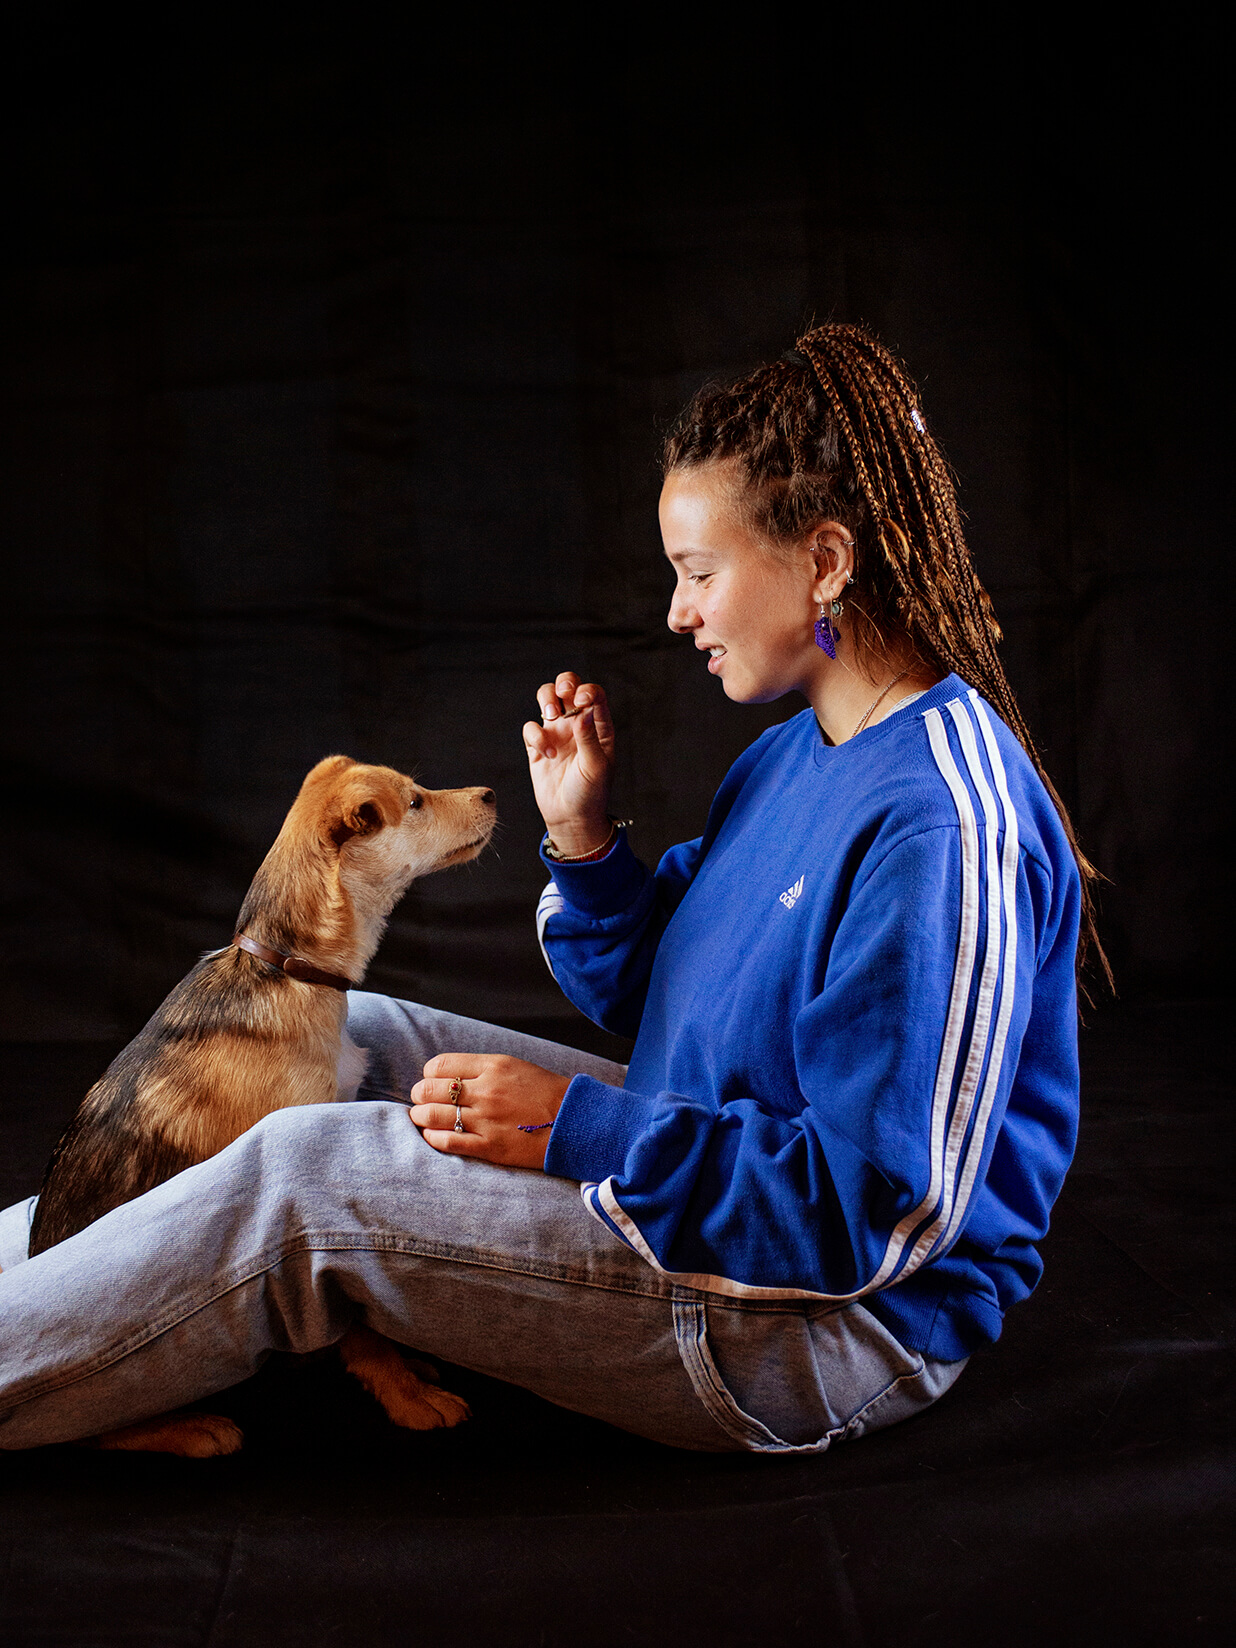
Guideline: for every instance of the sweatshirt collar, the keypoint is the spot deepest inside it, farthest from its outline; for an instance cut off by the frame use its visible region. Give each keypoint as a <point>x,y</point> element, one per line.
<point>951,687</point>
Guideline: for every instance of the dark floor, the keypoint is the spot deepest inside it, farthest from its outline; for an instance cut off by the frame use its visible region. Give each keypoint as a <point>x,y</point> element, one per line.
<point>1075,1487</point>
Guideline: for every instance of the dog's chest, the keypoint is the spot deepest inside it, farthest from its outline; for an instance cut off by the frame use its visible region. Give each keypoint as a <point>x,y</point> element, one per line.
<point>350,1069</point>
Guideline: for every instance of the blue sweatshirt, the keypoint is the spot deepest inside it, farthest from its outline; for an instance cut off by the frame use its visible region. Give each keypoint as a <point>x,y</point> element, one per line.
<point>855,1067</point>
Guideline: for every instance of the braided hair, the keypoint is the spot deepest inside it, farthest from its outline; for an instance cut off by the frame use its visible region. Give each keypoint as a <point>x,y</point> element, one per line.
<point>833,431</point>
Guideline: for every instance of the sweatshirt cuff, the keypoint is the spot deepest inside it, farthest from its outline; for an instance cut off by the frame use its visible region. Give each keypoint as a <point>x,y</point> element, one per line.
<point>605,887</point>
<point>595,1126</point>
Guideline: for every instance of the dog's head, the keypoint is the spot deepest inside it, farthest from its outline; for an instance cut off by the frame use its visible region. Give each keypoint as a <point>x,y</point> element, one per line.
<point>355,839</point>
<point>387,828</point>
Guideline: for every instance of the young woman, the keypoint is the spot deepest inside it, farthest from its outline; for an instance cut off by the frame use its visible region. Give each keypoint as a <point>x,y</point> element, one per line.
<point>853,1095</point>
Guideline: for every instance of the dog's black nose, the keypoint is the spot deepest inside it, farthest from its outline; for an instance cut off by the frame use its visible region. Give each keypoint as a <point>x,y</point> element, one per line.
<point>488,797</point>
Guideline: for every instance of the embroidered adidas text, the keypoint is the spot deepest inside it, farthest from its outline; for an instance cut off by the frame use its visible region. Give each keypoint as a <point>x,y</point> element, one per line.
<point>792,894</point>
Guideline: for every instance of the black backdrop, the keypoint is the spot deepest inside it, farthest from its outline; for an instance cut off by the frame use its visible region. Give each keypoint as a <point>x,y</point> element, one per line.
<point>334,372</point>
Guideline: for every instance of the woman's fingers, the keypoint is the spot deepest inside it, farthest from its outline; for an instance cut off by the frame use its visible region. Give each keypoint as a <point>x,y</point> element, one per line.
<point>551,740</point>
<point>557,695</point>
<point>565,697</point>
<point>441,1098</point>
<point>594,735</point>
<point>439,1116</point>
<point>581,698</point>
<point>539,746</point>
<point>458,1066</point>
<point>458,1144</point>
<point>603,721</point>
<point>571,752</point>
<point>437,1095</point>
<point>506,1107</point>
<point>467,1079</point>
<point>588,748</point>
<point>446,1086</point>
<point>437,1103</point>
<point>432,1115</point>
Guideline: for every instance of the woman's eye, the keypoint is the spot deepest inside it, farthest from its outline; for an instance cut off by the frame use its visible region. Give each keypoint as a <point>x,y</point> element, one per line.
<point>416,801</point>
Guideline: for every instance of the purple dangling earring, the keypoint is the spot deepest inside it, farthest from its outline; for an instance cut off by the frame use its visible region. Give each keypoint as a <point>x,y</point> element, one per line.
<point>826,632</point>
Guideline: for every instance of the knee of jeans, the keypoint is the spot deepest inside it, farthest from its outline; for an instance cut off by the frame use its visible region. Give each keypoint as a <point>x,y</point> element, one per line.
<point>369,1015</point>
<point>304,1143</point>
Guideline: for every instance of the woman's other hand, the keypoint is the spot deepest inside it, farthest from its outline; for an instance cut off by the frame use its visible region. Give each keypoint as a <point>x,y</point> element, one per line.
<point>505,1107</point>
<point>570,758</point>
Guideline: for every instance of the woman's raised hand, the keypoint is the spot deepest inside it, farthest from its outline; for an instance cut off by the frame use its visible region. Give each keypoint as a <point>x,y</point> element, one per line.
<point>570,758</point>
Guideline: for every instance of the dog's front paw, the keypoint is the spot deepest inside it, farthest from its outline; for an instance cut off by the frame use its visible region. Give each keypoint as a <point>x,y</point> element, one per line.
<point>191,1435</point>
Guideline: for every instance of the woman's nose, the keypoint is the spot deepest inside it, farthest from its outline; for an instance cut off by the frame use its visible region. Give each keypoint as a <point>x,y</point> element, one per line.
<point>681,616</point>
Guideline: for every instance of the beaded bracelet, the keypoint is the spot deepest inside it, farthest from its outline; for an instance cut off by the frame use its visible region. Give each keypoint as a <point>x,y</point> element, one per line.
<point>615,824</point>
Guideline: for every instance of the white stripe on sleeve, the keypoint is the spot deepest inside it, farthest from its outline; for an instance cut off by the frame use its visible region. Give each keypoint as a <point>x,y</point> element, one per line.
<point>944,1227</point>
<point>1008,984</point>
<point>550,904</point>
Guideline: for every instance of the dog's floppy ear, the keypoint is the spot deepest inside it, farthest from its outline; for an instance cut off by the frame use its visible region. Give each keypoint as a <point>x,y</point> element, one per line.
<point>367,802</point>
<point>362,818</point>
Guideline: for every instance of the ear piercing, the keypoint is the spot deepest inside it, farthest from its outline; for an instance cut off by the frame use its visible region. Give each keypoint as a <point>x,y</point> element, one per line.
<point>826,632</point>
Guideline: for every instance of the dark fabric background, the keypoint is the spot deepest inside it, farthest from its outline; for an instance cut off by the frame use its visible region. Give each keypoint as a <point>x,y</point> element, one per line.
<point>334,374</point>
<point>334,369</point>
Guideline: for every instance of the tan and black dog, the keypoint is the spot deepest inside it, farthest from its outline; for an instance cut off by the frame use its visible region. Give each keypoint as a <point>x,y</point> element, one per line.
<point>260,1026</point>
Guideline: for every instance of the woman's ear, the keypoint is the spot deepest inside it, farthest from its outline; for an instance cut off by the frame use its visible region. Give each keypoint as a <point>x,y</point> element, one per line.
<point>832,549</point>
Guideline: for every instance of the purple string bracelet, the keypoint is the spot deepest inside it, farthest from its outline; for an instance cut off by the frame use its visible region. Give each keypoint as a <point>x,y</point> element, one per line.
<point>524,1127</point>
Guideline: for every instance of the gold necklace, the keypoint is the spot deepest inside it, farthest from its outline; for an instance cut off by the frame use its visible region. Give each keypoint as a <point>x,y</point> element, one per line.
<point>876,702</point>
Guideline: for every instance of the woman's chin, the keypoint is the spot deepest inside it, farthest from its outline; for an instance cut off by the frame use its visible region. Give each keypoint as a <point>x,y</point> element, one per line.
<point>739,691</point>
<point>743,692</point>
<point>740,686</point>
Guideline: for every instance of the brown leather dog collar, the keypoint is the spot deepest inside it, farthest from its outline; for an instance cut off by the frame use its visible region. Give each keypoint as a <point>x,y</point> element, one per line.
<point>303,971</point>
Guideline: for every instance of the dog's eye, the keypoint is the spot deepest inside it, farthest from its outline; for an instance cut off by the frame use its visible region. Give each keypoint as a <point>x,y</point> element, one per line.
<point>416,801</point>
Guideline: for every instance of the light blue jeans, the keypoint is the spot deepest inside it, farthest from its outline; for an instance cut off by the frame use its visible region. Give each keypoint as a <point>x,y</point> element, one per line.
<point>329,1214</point>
